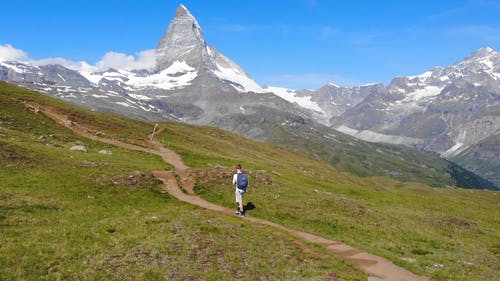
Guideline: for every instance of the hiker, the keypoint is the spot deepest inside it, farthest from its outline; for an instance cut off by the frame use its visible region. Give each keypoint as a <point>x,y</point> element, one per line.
<point>240,182</point>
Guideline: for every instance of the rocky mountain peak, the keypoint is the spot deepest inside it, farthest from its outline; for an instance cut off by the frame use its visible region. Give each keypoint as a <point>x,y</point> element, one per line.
<point>184,35</point>
<point>184,44</point>
<point>182,11</point>
<point>484,52</point>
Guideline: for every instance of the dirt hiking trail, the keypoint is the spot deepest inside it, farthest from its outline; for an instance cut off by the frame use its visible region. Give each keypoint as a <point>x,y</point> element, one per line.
<point>378,268</point>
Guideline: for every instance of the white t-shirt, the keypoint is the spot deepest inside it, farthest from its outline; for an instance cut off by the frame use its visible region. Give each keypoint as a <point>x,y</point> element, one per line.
<point>235,178</point>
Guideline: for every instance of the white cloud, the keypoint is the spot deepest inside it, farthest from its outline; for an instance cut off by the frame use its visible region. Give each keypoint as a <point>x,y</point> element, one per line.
<point>144,60</point>
<point>7,53</point>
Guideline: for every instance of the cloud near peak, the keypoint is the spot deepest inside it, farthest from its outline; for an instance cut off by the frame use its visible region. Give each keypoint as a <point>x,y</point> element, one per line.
<point>7,52</point>
<point>143,60</point>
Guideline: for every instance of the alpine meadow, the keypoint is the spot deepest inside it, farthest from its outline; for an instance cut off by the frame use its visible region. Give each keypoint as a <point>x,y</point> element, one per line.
<point>123,169</point>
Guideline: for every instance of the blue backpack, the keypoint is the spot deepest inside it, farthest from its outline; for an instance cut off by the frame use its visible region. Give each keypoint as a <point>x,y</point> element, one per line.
<point>242,182</point>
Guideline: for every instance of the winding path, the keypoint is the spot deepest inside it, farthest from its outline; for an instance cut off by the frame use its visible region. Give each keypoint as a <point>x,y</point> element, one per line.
<point>378,268</point>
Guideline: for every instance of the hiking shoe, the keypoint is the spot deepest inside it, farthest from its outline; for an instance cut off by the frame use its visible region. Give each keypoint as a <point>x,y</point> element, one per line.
<point>237,211</point>
<point>242,214</point>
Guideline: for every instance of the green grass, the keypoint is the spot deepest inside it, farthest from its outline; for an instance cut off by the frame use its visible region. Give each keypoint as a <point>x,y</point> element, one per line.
<point>64,210</point>
<point>70,215</point>
<point>456,228</point>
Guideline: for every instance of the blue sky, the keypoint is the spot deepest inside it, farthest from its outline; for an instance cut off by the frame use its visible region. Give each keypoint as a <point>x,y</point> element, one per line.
<point>287,43</point>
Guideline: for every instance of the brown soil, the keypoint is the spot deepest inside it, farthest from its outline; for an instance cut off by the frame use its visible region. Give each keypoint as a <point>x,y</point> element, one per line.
<point>377,267</point>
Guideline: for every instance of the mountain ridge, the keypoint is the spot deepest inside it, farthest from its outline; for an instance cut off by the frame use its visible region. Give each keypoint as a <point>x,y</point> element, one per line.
<point>446,110</point>
<point>406,111</point>
<point>194,83</point>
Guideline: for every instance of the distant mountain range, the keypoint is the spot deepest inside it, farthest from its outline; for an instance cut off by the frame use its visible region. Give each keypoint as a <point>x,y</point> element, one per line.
<point>192,82</point>
<point>453,111</point>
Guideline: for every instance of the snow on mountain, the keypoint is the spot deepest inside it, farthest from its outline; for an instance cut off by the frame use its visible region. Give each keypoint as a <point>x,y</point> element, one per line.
<point>16,67</point>
<point>181,55</point>
<point>186,79</point>
<point>93,77</point>
<point>371,136</point>
<point>419,94</point>
<point>240,81</point>
<point>176,76</point>
<point>328,101</point>
<point>189,79</point>
<point>293,97</point>
<point>227,70</point>
<point>422,90</point>
<point>461,84</point>
<point>184,41</point>
<point>449,110</point>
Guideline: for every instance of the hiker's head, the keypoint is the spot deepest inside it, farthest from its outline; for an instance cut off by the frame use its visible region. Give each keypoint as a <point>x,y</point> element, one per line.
<point>238,167</point>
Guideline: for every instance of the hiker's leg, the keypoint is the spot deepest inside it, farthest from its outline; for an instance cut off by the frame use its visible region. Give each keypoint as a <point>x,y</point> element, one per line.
<point>239,200</point>
<point>241,204</point>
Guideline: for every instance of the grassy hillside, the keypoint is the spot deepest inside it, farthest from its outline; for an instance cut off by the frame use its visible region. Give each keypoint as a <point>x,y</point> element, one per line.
<point>73,215</point>
<point>449,234</point>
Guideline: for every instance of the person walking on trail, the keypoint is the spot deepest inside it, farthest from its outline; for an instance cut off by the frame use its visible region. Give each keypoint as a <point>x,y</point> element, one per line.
<point>240,181</point>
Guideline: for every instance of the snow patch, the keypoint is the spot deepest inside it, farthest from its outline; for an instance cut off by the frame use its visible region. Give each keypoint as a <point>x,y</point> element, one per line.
<point>427,92</point>
<point>458,147</point>
<point>454,150</point>
<point>347,130</point>
<point>12,67</point>
<point>176,76</point>
<point>163,80</point>
<point>400,90</point>
<point>123,104</point>
<point>233,75</point>
<point>62,78</point>
<point>100,96</point>
<point>444,78</point>
<point>178,67</point>
<point>424,76</point>
<point>92,77</point>
<point>291,96</point>
<point>371,136</point>
<point>139,97</point>
<point>112,93</point>
<point>487,62</point>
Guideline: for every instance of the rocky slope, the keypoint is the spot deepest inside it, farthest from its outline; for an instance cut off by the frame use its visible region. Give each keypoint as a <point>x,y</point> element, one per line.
<point>450,110</point>
<point>328,101</point>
